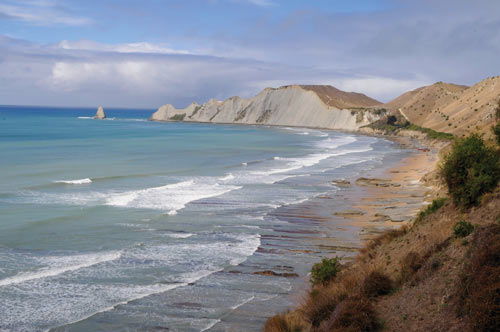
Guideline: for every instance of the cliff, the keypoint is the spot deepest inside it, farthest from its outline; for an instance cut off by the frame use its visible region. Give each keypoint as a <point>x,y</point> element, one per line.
<point>294,105</point>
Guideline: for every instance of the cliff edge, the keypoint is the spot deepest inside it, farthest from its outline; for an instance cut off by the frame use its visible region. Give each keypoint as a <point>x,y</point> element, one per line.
<point>294,105</point>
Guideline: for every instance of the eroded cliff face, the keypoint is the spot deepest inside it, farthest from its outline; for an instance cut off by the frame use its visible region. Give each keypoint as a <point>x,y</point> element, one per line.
<point>286,106</point>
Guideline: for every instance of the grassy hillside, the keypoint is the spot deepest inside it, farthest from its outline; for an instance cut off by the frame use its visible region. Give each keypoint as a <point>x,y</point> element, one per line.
<point>451,108</point>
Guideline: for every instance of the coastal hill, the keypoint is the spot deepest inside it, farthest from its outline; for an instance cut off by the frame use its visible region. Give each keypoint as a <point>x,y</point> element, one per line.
<point>334,97</point>
<point>442,107</point>
<point>294,105</point>
<point>451,108</point>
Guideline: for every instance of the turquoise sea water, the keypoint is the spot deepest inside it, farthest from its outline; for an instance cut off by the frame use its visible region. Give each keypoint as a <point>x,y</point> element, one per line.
<point>129,225</point>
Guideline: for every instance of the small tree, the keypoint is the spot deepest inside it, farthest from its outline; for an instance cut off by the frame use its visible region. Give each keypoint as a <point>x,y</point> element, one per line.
<point>470,170</point>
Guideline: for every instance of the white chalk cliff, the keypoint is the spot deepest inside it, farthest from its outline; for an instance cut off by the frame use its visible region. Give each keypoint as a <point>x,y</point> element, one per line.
<point>295,105</point>
<point>100,114</point>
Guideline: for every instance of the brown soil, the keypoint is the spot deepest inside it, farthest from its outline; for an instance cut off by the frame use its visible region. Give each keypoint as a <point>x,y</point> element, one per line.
<point>340,99</point>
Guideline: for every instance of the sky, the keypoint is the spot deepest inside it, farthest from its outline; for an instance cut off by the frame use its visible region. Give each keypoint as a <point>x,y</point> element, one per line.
<point>145,53</point>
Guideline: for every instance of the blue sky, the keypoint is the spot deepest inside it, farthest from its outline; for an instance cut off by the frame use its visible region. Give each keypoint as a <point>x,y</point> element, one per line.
<point>133,53</point>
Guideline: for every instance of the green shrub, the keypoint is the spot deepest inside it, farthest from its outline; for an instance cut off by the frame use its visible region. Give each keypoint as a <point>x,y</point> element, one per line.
<point>462,228</point>
<point>324,271</point>
<point>436,205</point>
<point>497,110</point>
<point>470,170</point>
<point>496,130</point>
<point>432,134</point>
<point>391,120</point>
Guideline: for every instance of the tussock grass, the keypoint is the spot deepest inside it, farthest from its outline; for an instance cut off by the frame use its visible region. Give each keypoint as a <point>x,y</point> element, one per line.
<point>288,322</point>
<point>377,284</point>
<point>479,287</point>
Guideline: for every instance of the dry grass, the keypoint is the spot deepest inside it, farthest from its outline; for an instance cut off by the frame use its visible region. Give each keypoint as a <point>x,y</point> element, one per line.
<point>410,264</point>
<point>382,239</point>
<point>377,284</point>
<point>288,322</point>
<point>355,314</point>
<point>479,287</point>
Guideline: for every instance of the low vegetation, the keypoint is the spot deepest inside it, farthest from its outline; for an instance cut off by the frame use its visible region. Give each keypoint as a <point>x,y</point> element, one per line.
<point>479,287</point>
<point>470,170</point>
<point>325,271</point>
<point>462,229</point>
<point>392,124</point>
<point>432,134</point>
<point>496,131</point>
<point>432,208</point>
<point>178,117</point>
<point>377,284</point>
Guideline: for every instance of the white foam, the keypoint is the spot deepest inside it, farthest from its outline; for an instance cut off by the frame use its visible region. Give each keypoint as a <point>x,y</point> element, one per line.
<point>242,303</point>
<point>79,181</point>
<point>210,325</point>
<point>151,290</point>
<point>171,198</point>
<point>83,261</point>
<point>85,117</point>
<point>227,177</point>
<point>244,164</point>
<point>179,235</point>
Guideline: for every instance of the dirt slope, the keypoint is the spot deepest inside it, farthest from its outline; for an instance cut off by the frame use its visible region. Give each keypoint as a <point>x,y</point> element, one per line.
<point>451,108</point>
<point>340,99</point>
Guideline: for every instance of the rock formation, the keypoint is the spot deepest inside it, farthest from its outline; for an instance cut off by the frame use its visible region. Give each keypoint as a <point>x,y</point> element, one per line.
<point>294,105</point>
<point>100,114</point>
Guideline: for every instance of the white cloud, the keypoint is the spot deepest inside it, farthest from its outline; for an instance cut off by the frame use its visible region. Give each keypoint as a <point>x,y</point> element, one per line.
<point>41,13</point>
<point>261,2</point>
<point>140,47</point>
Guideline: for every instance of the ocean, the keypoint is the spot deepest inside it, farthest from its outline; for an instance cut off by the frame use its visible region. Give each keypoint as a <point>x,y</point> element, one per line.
<point>129,225</point>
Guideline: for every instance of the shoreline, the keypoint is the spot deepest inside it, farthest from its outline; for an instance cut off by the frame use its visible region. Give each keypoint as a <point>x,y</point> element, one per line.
<point>370,210</point>
<point>389,205</point>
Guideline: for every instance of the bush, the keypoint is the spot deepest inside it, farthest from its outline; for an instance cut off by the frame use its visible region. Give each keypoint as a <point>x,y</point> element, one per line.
<point>355,314</point>
<point>462,228</point>
<point>433,207</point>
<point>376,284</point>
<point>496,131</point>
<point>325,271</point>
<point>470,170</point>
<point>321,303</point>
<point>410,264</point>
<point>391,120</point>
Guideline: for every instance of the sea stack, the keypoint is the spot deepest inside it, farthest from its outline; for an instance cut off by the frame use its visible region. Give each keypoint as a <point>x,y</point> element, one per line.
<point>100,114</point>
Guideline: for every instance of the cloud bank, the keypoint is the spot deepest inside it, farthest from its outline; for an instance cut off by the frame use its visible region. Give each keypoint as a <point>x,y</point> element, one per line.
<point>381,53</point>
